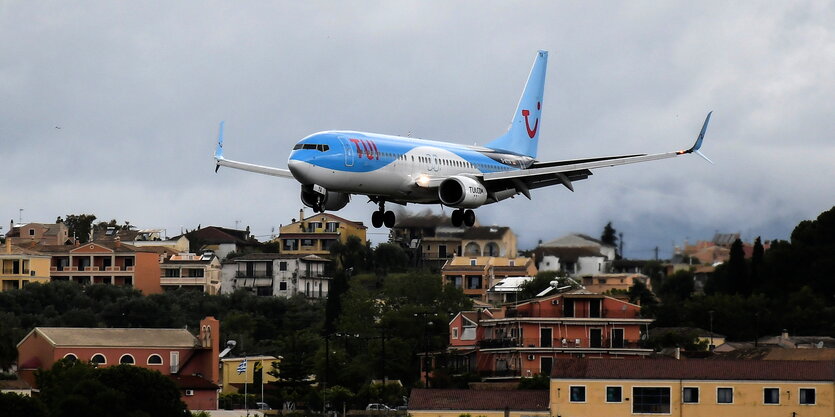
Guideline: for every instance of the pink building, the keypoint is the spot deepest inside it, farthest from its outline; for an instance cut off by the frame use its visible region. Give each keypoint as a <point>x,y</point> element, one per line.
<point>192,362</point>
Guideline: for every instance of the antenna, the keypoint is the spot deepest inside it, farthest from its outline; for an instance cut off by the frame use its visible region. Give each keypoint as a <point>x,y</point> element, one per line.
<point>20,216</point>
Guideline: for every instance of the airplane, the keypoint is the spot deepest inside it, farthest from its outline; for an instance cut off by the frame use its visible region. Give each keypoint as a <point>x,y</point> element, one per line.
<point>331,166</point>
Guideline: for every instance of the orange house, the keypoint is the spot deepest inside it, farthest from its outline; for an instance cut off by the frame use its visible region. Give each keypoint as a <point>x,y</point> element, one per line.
<point>525,340</point>
<point>106,262</point>
<point>190,361</point>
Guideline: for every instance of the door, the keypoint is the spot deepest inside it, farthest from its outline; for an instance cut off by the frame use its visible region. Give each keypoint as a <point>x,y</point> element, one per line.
<point>594,308</point>
<point>348,150</point>
<point>442,251</point>
<point>617,338</point>
<point>546,337</point>
<point>595,338</point>
<point>546,365</point>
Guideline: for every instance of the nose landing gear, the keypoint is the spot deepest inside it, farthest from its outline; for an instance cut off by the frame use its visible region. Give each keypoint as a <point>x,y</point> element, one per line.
<point>461,216</point>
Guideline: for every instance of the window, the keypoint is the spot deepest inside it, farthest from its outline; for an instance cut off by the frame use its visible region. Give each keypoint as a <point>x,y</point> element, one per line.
<point>154,359</point>
<point>332,227</point>
<point>291,244</point>
<point>98,359</point>
<point>31,232</point>
<point>196,273</point>
<point>172,273</point>
<point>724,395</point>
<point>307,242</point>
<point>690,395</point>
<point>282,286</point>
<point>127,359</point>
<point>70,357</point>
<point>472,262</point>
<point>455,333</point>
<point>807,396</point>
<point>577,394</point>
<point>651,400</point>
<point>614,394</point>
<point>282,266</point>
<point>771,396</point>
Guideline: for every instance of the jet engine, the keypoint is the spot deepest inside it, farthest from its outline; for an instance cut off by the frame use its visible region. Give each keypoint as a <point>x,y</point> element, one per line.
<point>330,200</point>
<point>462,192</point>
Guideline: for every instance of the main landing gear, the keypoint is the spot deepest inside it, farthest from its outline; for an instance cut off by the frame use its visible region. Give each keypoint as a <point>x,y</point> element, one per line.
<point>461,216</point>
<point>381,217</point>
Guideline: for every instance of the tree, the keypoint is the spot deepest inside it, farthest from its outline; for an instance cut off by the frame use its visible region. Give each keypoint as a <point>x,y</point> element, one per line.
<point>389,257</point>
<point>79,225</point>
<point>738,269</point>
<point>535,286</point>
<point>14,405</point>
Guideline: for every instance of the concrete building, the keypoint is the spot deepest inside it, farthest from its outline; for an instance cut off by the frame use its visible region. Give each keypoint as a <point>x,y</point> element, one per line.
<point>476,274</point>
<point>19,267</point>
<point>278,275</point>
<point>526,339</point>
<point>110,262</point>
<point>692,388</point>
<point>192,362</point>
<point>219,240</point>
<point>600,283</point>
<point>190,271</point>
<point>316,234</point>
<point>39,233</point>
<point>576,255</point>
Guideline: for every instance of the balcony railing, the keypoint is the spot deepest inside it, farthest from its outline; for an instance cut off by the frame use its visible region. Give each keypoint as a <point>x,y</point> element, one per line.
<point>256,274</point>
<point>583,343</point>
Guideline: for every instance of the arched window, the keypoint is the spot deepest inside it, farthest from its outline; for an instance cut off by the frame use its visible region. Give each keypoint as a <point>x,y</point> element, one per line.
<point>154,359</point>
<point>71,356</point>
<point>98,359</point>
<point>491,249</point>
<point>472,249</point>
<point>127,359</point>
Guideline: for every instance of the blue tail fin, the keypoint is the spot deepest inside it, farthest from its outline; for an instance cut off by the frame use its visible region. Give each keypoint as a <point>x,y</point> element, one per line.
<point>523,136</point>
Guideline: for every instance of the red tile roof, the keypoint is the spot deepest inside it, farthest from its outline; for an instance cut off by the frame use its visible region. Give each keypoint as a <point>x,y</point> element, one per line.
<point>465,399</point>
<point>694,369</point>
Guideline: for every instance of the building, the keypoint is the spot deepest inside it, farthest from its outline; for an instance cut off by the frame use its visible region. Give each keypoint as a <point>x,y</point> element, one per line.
<point>39,233</point>
<point>219,240</point>
<point>111,262</point>
<point>476,274</point>
<point>19,267</point>
<point>507,290</point>
<point>526,339</point>
<point>431,241</point>
<point>233,381</point>
<point>143,237</point>
<point>190,271</point>
<point>576,255</point>
<point>316,234</point>
<point>192,362</point>
<point>487,403</point>
<point>692,388</point>
<point>601,283</point>
<point>702,336</point>
<point>277,274</point>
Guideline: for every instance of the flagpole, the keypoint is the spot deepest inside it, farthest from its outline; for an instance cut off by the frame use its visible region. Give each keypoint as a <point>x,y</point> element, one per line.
<point>246,380</point>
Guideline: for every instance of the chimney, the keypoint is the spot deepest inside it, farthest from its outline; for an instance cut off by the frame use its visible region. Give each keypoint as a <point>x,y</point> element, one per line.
<point>301,214</point>
<point>118,242</point>
<point>784,335</point>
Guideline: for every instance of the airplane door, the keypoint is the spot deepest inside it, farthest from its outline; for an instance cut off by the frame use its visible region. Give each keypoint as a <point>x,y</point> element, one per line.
<point>349,151</point>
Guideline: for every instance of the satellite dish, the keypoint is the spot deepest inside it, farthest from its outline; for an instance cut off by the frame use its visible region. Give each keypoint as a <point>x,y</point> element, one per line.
<point>819,345</point>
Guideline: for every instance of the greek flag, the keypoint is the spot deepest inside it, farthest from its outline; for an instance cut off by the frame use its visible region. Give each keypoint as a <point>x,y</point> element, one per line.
<point>242,367</point>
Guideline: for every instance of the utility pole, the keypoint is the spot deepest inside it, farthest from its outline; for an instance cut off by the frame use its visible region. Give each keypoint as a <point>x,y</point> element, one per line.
<point>20,216</point>
<point>656,253</point>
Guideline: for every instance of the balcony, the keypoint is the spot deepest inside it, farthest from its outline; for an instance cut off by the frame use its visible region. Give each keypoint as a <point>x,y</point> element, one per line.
<point>583,343</point>
<point>256,274</point>
<point>182,281</point>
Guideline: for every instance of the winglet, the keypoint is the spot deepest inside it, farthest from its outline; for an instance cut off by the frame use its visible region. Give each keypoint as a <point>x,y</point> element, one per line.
<point>219,148</point>
<point>698,144</point>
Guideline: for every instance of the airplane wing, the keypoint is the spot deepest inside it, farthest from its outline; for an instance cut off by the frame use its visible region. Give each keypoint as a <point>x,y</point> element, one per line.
<point>565,172</point>
<point>261,169</point>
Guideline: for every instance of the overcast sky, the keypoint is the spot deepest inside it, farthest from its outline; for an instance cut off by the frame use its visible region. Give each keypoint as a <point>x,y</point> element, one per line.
<point>112,108</point>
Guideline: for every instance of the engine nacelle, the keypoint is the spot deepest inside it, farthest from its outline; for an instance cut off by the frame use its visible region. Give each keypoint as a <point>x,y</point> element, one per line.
<point>330,201</point>
<point>462,192</point>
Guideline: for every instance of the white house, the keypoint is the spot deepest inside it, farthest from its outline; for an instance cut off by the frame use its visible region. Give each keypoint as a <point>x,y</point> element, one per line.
<point>276,274</point>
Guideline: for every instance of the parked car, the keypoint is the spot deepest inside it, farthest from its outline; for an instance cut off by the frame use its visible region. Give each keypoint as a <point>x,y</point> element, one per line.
<point>262,406</point>
<point>377,407</point>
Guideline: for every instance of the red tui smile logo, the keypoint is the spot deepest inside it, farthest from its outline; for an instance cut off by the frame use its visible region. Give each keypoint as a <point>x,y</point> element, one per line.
<point>526,113</point>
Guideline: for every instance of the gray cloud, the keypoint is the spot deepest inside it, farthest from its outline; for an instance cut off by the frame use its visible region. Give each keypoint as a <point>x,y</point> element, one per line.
<point>138,89</point>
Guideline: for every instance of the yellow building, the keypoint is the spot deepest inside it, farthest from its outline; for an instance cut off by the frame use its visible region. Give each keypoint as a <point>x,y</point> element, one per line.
<point>233,381</point>
<point>692,388</point>
<point>476,274</point>
<point>19,266</point>
<point>316,234</point>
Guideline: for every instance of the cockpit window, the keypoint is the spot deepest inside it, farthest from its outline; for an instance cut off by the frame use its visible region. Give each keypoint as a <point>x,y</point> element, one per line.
<point>311,146</point>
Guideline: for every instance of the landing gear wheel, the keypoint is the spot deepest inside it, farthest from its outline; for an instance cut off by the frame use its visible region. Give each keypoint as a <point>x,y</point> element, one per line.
<point>469,218</point>
<point>457,218</point>
<point>389,219</point>
<point>377,218</point>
